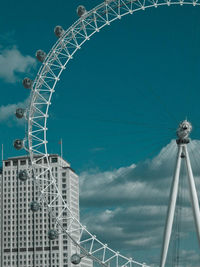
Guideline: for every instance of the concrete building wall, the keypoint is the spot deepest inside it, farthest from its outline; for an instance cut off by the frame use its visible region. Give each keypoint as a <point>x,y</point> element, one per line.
<point>24,233</point>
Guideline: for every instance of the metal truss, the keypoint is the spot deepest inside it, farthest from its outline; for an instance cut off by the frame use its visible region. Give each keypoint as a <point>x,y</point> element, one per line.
<point>42,90</point>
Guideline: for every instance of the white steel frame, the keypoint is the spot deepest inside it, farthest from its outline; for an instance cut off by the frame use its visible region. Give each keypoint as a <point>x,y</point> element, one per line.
<point>42,90</point>
<point>181,155</point>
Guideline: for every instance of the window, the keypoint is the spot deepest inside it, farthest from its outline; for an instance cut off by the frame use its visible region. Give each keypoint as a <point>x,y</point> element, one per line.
<point>7,163</point>
<point>38,161</point>
<point>54,160</point>
<point>23,162</point>
<point>14,162</point>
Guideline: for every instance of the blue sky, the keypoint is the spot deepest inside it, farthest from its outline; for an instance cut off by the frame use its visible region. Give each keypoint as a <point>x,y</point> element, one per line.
<point>117,105</point>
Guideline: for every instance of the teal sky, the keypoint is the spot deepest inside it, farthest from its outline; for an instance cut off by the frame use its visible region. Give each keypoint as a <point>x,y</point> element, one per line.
<point>120,99</point>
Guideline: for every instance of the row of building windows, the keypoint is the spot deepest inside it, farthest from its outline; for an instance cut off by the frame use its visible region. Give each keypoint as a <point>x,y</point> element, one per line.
<point>29,256</point>
<point>8,264</point>
<point>7,220</point>
<point>34,243</point>
<point>37,223</point>
<point>15,233</point>
<point>14,163</point>
<point>23,162</point>
<point>14,173</point>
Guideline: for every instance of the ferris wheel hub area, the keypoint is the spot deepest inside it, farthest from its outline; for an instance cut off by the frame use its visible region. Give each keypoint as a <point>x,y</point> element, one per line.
<point>183,132</point>
<point>182,141</point>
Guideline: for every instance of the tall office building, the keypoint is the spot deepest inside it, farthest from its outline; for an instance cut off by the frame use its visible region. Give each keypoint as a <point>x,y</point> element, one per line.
<point>24,234</point>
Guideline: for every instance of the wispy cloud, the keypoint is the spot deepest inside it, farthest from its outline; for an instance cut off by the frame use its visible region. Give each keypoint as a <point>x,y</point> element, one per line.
<point>97,149</point>
<point>7,112</point>
<point>127,207</point>
<point>191,258</point>
<point>13,64</point>
<point>13,67</point>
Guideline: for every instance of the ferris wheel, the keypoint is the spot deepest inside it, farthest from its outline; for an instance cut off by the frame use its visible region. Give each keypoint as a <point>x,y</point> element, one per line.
<point>42,88</point>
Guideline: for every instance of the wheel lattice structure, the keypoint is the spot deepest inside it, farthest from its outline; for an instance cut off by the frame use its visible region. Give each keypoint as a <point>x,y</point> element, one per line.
<point>53,64</point>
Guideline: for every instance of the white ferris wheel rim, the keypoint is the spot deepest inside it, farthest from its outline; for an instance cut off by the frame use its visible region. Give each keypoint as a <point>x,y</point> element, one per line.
<point>43,87</point>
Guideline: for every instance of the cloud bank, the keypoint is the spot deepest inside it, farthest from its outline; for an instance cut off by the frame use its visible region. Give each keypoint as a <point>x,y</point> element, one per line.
<point>7,112</point>
<point>126,207</point>
<point>13,64</point>
<point>13,67</point>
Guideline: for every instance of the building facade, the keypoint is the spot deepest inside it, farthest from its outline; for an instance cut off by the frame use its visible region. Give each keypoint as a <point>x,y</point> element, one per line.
<point>24,234</point>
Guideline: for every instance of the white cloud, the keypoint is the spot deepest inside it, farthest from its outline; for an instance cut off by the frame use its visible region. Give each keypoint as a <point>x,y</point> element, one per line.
<point>192,258</point>
<point>13,63</point>
<point>126,207</point>
<point>7,112</point>
<point>13,68</point>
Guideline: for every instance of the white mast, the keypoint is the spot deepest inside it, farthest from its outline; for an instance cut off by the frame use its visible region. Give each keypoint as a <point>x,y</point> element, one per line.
<point>183,132</point>
<point>193,195</point>
<point>2,152</point>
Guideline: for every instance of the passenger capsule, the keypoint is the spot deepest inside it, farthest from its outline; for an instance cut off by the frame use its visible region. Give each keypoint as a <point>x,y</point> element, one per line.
<point>18,144</point>
<point>52,234</point>
<point>81,11</point>
<point>34,206</point>
<point>58,30</point>
<point>41,55</point>
<point>75,259</point>
<point>20,113</point>
<point>23,175</point>
<point>27,83</point>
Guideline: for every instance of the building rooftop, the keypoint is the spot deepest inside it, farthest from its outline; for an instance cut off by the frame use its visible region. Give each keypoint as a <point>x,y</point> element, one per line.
<point>27,156</point>
<point>62,162</point>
